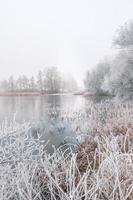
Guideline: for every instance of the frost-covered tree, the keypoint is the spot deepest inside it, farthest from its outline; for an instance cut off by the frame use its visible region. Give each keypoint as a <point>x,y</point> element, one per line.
<point>52,80</point>
<point>115,76</point>
<point>48,81</point>
<point>22,83</point>
<point>40,81</point>
<point>124,37</point>
<point>32,83</point>
<point>19,84</point>
<point>4,85</point>
<point>95,78</point>
<point>25,82</point>
<point>11,84</point>
<point>120,80</point>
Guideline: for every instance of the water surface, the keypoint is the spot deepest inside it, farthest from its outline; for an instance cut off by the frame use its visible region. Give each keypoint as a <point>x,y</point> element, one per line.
<point>35,108</point>
<point>49,112</point>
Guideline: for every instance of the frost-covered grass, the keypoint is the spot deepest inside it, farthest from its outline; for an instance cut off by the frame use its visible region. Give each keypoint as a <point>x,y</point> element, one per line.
<point>101,168</point>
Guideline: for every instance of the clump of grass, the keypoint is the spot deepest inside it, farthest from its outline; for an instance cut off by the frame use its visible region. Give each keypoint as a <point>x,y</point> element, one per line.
<point>101,168</point>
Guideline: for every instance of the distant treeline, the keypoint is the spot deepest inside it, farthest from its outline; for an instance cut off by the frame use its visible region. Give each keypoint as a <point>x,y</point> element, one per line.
<point>47,81</point>
<point>115,75</point>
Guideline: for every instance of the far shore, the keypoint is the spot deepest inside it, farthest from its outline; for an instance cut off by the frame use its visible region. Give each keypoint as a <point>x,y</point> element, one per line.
<point>31,94</point>
<point>83,93</point>
<point>87,94</point>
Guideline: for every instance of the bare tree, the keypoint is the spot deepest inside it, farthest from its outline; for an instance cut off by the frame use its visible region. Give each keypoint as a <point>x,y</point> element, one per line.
<point>32,83</point>
<point>40,81</point>
<point>52,80</point>
<point>4,85</point>
<point>11,84</point>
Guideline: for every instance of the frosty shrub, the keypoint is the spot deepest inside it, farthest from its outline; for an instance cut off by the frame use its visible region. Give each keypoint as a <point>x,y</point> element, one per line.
<point>100,168</point>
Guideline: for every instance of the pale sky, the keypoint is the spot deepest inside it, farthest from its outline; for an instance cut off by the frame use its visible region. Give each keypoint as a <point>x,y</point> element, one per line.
<point>70,34</point>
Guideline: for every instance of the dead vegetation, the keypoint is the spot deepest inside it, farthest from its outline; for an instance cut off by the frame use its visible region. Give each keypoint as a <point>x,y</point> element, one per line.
<point>101,168</point>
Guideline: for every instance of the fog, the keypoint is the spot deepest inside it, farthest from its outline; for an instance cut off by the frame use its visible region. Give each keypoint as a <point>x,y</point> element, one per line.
<point>72,35</point>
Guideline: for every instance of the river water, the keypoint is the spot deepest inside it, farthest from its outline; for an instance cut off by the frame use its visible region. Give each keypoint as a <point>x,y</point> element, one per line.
<point>48,113</point>
<point>35,108</point>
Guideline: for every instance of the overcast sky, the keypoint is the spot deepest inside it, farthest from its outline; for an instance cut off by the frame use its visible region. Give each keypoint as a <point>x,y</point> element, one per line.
<point>71,34</point>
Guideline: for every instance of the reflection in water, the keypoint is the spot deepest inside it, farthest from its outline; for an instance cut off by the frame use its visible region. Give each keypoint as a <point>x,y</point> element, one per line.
<point>96,99</point>
<point>37,107</point>
<point>47,114</point>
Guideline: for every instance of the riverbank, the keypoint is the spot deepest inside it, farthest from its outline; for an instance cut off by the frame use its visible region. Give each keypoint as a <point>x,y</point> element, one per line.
<point>100,168</point>
<point>82,93</point>
<point>89,94</point>
<point>31,94</point>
